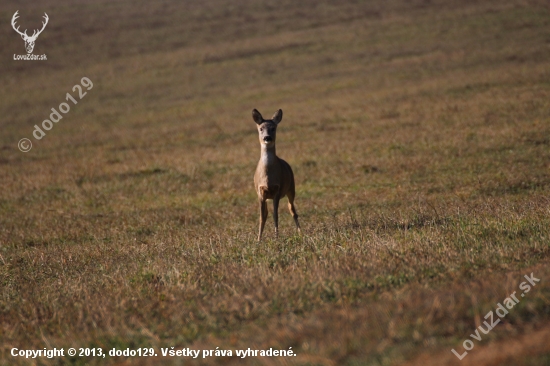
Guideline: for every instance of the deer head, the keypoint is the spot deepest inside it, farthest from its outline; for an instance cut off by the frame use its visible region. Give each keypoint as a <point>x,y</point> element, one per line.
<point>267,128</point>
<point>29,41</point>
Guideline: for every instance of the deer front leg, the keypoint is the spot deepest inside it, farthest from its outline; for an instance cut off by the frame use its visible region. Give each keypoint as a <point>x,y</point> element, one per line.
<point>276,214</point>
<point>263,218</point>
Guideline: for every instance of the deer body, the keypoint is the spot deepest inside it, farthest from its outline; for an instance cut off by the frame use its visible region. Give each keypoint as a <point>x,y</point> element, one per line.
<point>274,178</point>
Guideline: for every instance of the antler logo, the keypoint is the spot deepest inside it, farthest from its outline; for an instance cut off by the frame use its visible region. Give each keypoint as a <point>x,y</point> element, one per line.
<point>29,41</point>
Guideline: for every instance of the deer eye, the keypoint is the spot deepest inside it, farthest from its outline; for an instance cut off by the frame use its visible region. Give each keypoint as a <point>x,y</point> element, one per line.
<point>261,129</point>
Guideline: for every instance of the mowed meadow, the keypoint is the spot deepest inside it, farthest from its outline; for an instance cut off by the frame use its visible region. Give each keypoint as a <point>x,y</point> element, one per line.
<point>419,136</point>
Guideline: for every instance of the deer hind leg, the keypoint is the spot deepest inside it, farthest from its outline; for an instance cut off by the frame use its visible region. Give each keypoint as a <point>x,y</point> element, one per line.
<point>263,218</point>
<point>292,210</point>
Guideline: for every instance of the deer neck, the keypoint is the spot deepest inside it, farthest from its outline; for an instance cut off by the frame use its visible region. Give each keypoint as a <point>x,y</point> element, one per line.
<point>268,155</point>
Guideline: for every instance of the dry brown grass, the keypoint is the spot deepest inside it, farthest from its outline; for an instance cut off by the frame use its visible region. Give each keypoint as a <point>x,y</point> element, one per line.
<point>418,132</point>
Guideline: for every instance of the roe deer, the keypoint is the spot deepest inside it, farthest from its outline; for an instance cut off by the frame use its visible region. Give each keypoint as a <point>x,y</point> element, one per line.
<point>273,178</point>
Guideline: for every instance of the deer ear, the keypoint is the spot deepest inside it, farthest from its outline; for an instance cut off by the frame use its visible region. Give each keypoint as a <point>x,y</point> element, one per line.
<point>278,116</point>
<point>257,116</point>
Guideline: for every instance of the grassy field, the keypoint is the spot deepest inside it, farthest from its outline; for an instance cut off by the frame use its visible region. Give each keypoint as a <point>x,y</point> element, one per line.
<point>419,135</point>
